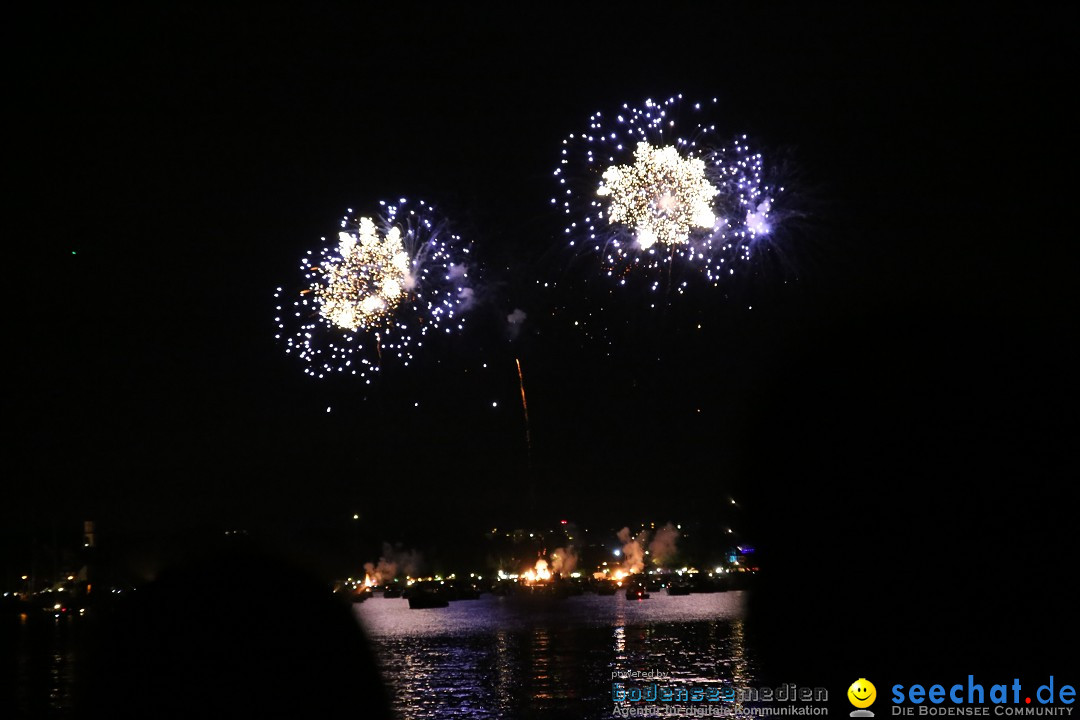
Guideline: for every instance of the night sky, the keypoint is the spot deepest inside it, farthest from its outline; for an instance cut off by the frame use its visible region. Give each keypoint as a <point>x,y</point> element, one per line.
<point>900,379</point>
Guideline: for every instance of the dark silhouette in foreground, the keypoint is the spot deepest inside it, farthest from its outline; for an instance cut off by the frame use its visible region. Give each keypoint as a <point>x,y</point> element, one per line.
<point>232,633</point>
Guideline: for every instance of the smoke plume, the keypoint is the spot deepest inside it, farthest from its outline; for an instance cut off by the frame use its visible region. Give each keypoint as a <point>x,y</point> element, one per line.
<point>564,560</point>
<point>394,562</point>
<point>514,322</point>
<point>633,550</point>
<point>662,548</point>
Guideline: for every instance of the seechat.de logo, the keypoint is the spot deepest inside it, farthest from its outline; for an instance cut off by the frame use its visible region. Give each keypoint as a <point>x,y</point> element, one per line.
<point>979,698</point>
<point>862,694</point>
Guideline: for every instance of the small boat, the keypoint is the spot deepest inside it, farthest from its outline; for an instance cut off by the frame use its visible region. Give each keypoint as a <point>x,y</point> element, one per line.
<point>678,589</point>
<point>705,584</point>
<point>636,592</point>
<point>463,591</point>
<point>429,594</point>
<point>606,588</point>
<point>425,600</point>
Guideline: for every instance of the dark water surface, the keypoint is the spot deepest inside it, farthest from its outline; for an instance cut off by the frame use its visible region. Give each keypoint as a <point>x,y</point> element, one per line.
<point>508,657</point>
<point>496,657</point>
<point>40,665</point>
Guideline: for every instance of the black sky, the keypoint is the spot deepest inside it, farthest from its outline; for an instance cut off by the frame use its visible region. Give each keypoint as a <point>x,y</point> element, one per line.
<point>917,341</point>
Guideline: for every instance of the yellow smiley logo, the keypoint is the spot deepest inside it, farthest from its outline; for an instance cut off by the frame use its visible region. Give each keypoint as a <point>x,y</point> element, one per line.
<point>862,693</point>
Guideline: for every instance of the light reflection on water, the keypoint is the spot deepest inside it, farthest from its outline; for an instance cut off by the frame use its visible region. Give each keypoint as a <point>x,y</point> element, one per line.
<point>506,657</point>
<point>40,660</point>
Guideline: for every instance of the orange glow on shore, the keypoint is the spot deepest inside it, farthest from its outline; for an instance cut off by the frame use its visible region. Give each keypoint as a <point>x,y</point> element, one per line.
<point>618,576</point>
<point>538,573</point>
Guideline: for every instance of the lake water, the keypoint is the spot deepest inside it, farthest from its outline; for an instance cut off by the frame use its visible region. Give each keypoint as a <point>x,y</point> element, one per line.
<point>496,657</point>
<point>518,657</point>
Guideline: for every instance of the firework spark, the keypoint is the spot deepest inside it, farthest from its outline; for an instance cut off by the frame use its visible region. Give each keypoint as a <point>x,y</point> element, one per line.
<point>653,186</point>
<point>390,282</point>
<point>662,195</point>
<point>362,288</point>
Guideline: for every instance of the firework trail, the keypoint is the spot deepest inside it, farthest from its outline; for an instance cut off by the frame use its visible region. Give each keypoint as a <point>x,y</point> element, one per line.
<point>524,409</point>
<point>390,281</point>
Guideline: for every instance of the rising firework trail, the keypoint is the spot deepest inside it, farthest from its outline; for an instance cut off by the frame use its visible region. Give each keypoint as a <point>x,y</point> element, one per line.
<point>525,410</point>
<point>528,437</point>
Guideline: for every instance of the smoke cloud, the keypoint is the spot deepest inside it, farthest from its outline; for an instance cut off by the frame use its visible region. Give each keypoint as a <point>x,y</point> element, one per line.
<point>459,274</point>
<point>467,296</point>
<point>662,548</point>
<point>564,560</point>
<point>395,562</point>
<point>633,550</point>
<point>514,321</point>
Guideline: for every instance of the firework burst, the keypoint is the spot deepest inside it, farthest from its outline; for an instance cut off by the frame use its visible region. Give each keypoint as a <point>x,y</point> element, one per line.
<point>389,282</point>
<point>653,187</point>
